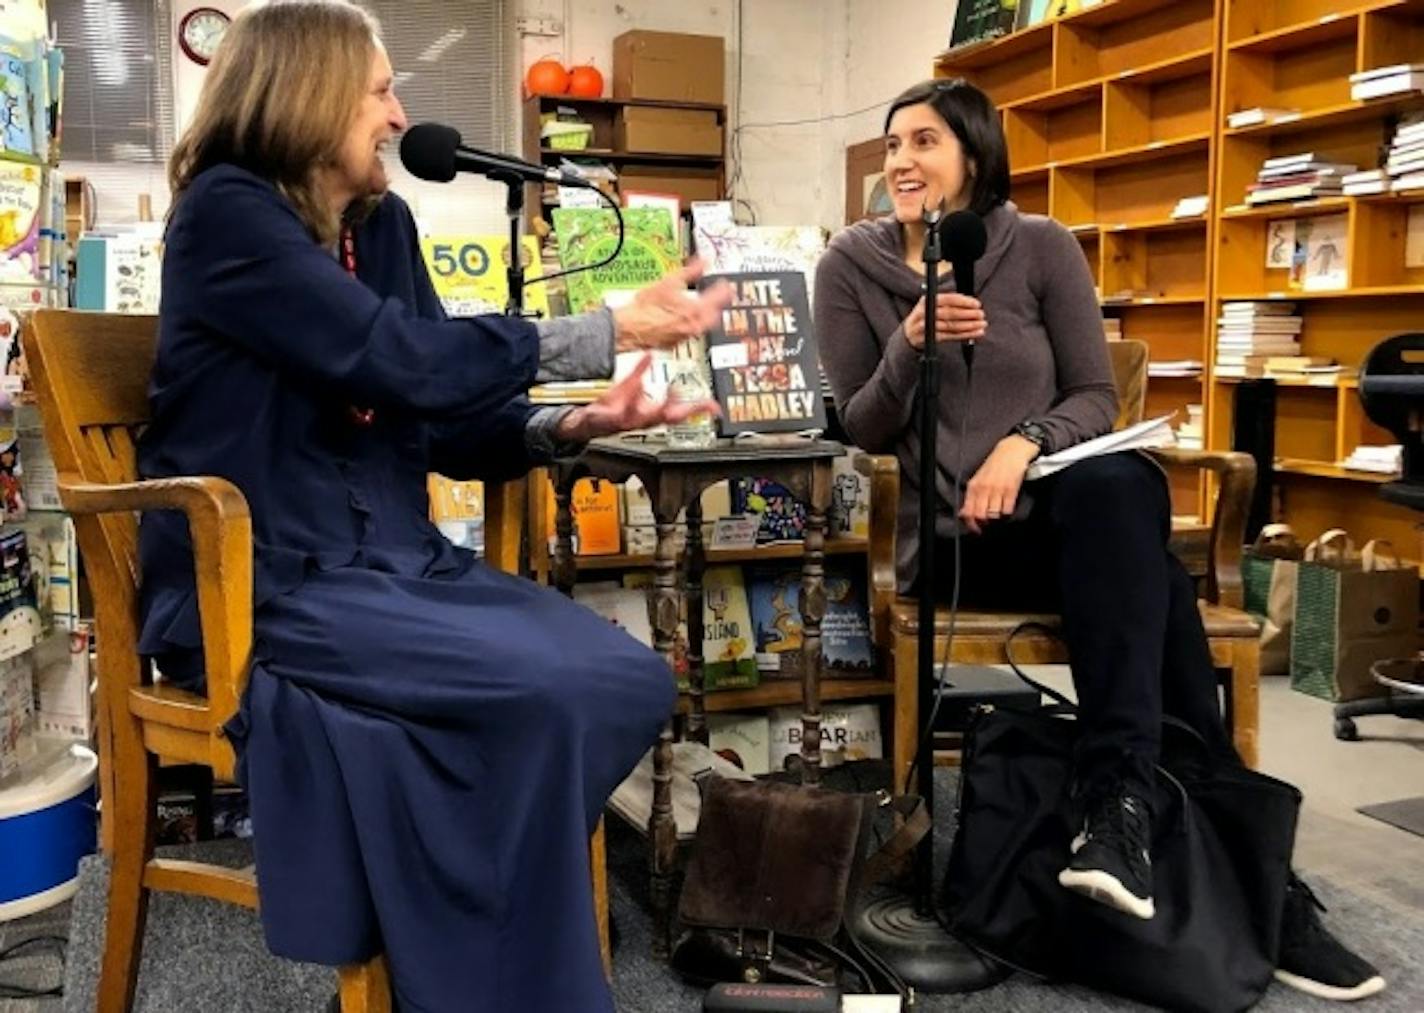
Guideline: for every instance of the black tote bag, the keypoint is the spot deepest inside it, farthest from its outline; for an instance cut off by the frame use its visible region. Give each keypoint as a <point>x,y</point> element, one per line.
<point>1221,850</point>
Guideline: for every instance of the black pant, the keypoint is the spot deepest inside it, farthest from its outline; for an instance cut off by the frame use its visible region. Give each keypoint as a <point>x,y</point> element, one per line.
<point>1094,548</point>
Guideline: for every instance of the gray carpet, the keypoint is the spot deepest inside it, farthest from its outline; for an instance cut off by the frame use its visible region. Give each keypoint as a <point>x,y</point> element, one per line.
<point>201,955</point>
<point>1407,814</point>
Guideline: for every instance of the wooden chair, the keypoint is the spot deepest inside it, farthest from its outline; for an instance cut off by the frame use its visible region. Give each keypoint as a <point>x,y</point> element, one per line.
<point>90,372</point>
<point>981,637</point>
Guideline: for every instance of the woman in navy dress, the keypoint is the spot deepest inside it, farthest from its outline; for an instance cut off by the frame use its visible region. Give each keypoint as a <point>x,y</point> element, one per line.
<point>427,743</point>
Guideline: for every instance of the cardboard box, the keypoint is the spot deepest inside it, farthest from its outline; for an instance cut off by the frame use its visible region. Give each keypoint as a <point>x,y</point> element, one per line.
<point>668,65</point>
<point>668,131</point>
<point>689,184</point>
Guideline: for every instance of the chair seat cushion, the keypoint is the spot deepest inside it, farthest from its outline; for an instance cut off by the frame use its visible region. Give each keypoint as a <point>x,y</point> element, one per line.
<point>1219,620</point>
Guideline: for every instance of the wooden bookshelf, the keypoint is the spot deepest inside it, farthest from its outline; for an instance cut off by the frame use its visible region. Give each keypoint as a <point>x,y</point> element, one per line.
<point>704,174</point>
<point>1298,55</point>
<point>1110,116</point>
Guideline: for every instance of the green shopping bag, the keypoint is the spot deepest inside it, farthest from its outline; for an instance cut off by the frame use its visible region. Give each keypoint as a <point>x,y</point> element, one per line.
<point>1350,611</point>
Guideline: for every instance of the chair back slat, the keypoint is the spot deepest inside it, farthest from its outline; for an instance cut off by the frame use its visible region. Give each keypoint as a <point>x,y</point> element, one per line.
<point>1129,366</point>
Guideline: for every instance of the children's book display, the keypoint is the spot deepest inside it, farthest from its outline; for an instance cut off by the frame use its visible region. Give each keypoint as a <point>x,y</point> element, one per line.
<point>468,273</point>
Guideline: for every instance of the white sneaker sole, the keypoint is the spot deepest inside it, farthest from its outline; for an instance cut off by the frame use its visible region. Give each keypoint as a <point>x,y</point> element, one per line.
<point>1105,889</point>
<point>1334,993</point>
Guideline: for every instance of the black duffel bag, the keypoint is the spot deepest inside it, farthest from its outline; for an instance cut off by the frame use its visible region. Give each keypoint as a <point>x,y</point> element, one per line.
<point>1221,852</point>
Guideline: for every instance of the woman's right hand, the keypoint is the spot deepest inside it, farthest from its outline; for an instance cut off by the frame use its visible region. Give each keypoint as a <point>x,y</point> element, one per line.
<point>959,318</point>
<point>667,312</point>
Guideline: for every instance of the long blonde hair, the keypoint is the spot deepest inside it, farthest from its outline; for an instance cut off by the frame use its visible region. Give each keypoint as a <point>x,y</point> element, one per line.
<point>278,99</point>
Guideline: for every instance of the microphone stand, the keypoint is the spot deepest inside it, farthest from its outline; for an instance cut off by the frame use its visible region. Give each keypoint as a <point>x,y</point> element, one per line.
<point>904,931</point>
<point>514,209</point>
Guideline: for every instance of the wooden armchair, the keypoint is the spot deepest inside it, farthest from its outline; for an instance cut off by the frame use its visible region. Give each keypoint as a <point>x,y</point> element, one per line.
<point>90,371</point>
<point>1212,552</point>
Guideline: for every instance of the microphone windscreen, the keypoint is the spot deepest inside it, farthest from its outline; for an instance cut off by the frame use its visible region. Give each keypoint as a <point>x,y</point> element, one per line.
<point>964,236</point>
<point>428,151</point>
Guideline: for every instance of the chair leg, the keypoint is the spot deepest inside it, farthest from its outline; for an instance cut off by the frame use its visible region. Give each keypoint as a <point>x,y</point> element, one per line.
<point>129,817</point>
<point>1246,700</point>
<point>907,707</point>
<point>366,988</point>
<point>598,863</point>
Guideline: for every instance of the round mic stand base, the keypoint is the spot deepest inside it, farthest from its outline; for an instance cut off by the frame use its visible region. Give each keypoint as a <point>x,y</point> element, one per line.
<point>927,957</point>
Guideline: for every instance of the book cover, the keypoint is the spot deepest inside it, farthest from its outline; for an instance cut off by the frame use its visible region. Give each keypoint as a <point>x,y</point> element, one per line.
<point>20,624</point>
<point>17,133</point>
<point>846,648</point>
<point>588,235</point>
<point>850,499</point>
<point>595,505</point>
<point>1327,265</point>
<point>728,248</point>
<point>774,599</point>
<point>468,273</point>
<point>976,20</point>
<point>17,714</point>
<point>782,515</point>
<point>743,740</point>
<point>848,732</point>
<point>727,645</point>
<point>21,197</point>
<point>624,607</point>
<point>742,674</point>
<point>766,373</point>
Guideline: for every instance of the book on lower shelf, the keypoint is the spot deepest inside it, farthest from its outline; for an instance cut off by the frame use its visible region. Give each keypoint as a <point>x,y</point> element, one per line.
<point>1385,460</point>
<point>1166,368</point>
<point>1397,79</point>
<point>848,732</point>
<point>1259,114</point>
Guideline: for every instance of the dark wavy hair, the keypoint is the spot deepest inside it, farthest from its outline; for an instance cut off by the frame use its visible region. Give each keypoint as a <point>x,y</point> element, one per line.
<point>972,117</point>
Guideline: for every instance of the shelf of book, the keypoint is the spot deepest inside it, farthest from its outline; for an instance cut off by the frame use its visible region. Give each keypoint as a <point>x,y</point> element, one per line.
<point>787,693</point>
<point>757,554</point>
<point>1109,113</point>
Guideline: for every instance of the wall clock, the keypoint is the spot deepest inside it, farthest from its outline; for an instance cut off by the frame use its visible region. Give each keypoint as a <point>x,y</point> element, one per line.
<point>200,31</point>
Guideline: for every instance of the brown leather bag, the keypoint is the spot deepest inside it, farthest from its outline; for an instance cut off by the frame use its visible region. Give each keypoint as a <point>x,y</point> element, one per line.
<point>774,868</point>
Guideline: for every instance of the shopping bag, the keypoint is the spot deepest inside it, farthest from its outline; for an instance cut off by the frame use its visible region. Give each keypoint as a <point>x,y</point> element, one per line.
<point>1350,612</point>
<point>1269,569</point>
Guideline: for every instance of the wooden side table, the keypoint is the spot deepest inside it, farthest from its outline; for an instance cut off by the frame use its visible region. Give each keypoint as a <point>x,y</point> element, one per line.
<point>674,479</point>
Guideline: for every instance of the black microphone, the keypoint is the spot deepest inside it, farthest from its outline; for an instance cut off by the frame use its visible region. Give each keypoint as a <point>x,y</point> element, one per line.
<point>435,152</point>
<point>965,240</point>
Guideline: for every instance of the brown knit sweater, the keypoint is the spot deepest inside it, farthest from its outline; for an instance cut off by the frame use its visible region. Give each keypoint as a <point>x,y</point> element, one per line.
<point>1043,355</point>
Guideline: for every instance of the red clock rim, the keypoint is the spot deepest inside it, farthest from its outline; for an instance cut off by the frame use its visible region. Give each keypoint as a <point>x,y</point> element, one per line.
<point>188,50</point>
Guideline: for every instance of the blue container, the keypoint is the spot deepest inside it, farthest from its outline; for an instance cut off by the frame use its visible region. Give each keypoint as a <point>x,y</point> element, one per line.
<point>47,824</point>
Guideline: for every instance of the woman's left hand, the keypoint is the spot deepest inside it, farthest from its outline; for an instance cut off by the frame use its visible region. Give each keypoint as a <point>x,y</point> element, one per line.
<point>626,406</point>
<point>994,490</point>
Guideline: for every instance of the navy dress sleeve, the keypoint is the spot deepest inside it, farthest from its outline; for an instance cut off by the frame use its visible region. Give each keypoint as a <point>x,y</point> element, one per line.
<point>270,289</point>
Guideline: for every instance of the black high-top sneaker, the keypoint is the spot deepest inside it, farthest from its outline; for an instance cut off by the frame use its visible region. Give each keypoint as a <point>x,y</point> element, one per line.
<point>1314,961</point>
<point>1112,859</point>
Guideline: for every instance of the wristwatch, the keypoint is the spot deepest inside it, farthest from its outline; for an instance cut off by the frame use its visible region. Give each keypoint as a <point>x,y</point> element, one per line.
<point>1033,432</point>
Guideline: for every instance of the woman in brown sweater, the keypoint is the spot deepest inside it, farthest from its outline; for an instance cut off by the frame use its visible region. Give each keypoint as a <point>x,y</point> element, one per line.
<point>1089,542</point>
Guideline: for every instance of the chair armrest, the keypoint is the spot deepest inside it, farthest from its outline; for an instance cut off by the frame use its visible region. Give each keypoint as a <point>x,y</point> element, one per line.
<point>1236,480</point>
<point>883,471</point>
<point>221,531</point>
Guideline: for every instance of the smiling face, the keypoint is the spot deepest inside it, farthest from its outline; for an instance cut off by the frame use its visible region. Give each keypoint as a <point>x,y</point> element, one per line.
<point>359,170</point>
<point>924,163</point>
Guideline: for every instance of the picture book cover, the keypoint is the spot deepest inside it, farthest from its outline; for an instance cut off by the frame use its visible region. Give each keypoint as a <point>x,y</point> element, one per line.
<point>21,197</point>
<point>20,623</point>
<point>588,235</point>
<point>774,597</point>
<point>17,133</point>
<point>774,593</point>
<point>728,656</point>
<point>977,20</point>
<point>766,373</point>
<point>783,516</point>
<point>468,273</point>
<point>848,732</point>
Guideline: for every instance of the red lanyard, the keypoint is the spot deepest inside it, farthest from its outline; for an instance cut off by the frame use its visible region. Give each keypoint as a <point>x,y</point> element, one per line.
<point>360,416</point>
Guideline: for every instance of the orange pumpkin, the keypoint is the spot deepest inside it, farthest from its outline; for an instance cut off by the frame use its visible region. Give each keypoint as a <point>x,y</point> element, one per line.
<point>585,82</point>
<point>547,77</point>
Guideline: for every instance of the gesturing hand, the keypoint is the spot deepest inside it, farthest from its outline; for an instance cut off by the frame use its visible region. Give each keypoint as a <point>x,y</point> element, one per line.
<point>626,406</point>
<point>960,318</point>
<point>666,314</point>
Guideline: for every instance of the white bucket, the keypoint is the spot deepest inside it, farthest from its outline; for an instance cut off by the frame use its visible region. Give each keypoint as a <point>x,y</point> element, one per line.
<point>47,824</point>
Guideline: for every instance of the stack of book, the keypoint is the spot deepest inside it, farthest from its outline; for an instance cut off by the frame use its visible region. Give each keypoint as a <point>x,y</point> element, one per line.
<point>1397,79</point>
<point>1387,460</point>
<point>1190,433</point>
<point>1363,184</point>
<point>1112,327</point>
<point>1191,207</point>
<point>1405,163</point>
<point>1301,176</point>
<point>1174,367</point>
<point>1248,333</point>
<point>1259,114</point>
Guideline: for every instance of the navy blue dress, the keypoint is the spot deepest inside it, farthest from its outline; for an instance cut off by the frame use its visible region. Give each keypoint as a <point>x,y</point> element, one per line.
<point>427,742</point>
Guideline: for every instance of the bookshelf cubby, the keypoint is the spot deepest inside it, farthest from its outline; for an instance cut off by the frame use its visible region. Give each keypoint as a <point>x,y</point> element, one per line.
<point>1109,113</point>
<point>1296,56</point>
